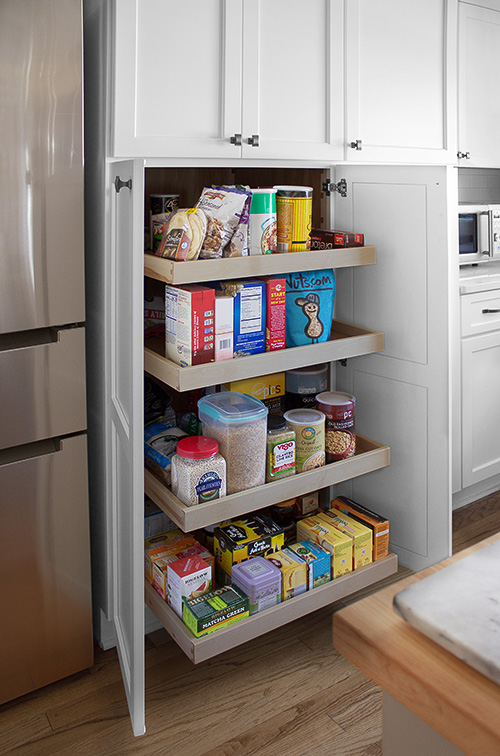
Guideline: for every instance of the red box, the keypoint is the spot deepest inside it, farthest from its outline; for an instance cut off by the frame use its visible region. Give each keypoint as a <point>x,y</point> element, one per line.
<point>322,238</point>
<point>275,312</point>
<point>189,324</point>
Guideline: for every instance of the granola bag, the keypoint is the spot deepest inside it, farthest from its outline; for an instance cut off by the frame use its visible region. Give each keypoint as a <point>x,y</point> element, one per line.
<point>223,208</point>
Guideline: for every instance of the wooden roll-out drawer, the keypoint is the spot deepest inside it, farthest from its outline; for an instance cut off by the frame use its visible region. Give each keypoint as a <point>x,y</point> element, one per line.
<point>480,312</point>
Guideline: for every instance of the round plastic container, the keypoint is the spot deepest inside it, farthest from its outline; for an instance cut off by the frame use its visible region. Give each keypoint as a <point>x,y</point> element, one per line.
<point>340,436</point>
<point>309,427</point>
<point>198,470</point>
<point>262,222</point>
<point>302,385</point>
<point>239,423</point>
<point>294,217</point>
<point>280,451</point>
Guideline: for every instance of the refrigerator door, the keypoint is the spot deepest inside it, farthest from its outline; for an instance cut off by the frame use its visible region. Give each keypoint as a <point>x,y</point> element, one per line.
<point>45,632</point>
<point>43,386</point>
<point>41,192</point>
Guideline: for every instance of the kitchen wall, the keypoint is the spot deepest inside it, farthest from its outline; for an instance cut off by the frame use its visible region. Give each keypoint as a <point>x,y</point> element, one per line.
<point>479,185</point>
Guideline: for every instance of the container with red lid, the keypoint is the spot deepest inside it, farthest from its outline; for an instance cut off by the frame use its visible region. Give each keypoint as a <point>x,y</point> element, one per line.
<point>198,470</point>
<point>340,437</point>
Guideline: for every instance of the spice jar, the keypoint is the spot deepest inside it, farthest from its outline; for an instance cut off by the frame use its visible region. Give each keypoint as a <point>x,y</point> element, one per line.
<point>198,470</point>
<point>340,438</point>
<point>280,450</point>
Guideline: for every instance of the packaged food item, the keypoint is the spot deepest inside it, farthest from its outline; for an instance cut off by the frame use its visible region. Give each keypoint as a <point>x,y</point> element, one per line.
<point>224,327</point>
<point>154,315</point>
<point>214,610</point>
<point>340,436</point>
<point>378,525</point>
<point>280,450</point>
<point>198,471</point>
<point>155,520</point>
<point>263,222</point>
<point>310,297</point>
<point>249,314</point>
<point>275,312</point>
<point>293,573</point>
<point>283,515</point>
<point>186,579</point>
<point>239,244</point>
<point>200,550</point>
<point>306,504</point>
<point>309,427</point>
<point>302,385</point>
<point>260,581</point>
<point>361,536</point>
<point>294,217</point>
<point>161,545</point>
<point>160,205</point>
<point>160,443</point>
<point>317,561</point>
<point>223,207</point>
<point>322,238</point>
<point>324,534</point>
<point>239,424</point>
<point>189,327</point>
<point>183,235</point>
<point>269,389</point>
<point>242,539</point>
<point>157,226</point>
<point>157,403</point>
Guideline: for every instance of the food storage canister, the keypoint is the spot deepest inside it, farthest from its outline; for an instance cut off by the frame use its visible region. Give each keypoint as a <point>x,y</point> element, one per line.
<point>262,222</point>
<point>280,450</point>
<point>340,437</point>
<point>302,385</point>
<point>309,427</point>
<point>239,423</point>
<point>260,580</point>
<point>198,470</point>
<point>294,217</point>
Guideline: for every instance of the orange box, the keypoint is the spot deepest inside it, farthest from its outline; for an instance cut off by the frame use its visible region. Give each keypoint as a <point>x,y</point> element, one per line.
<point>378,525</point>
<point>160,545</point>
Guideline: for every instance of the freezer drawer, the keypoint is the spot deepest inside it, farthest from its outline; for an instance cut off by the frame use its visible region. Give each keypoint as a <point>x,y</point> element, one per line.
<point>45,627</point>
<point>42,388</point>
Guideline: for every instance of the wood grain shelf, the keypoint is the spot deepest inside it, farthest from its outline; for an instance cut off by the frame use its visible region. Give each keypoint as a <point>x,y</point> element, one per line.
<point>369,456</point>
<point>195,271</point>
<point>200,649</point>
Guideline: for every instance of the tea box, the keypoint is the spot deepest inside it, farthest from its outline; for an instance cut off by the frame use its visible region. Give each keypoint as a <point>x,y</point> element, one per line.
<point>186,579</point>
<point>242,539</point>
<point>361,536</point>
<point>214,610</point>
<point>260,581</point>
<point>378,524</point>
<point>317,561</point>
<point>293,573</point>
<point>329,538</point>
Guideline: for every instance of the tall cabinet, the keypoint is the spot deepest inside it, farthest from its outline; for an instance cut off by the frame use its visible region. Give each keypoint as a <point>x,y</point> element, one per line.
<point>390,342</point>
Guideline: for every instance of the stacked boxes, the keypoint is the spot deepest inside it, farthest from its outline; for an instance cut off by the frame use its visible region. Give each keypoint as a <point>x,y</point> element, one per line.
<point>317,561</point>
<point>360,535</point>
<point>378,525</point>
<point>329,239</point>
<point>189,324</point>
<point>323,533</point>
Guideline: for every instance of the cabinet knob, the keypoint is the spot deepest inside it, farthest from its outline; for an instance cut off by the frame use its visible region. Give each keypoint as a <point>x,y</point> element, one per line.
<point>465,155</point>
<point>236,139</point>
<point>253,140</point>
<point>487,310</point>
<point>357,145</point>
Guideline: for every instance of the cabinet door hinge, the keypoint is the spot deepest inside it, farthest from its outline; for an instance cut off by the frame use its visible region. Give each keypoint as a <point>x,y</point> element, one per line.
<point>340,187</point>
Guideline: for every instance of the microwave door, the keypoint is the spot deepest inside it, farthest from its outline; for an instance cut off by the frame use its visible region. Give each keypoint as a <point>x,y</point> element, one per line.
<point>484,245</point>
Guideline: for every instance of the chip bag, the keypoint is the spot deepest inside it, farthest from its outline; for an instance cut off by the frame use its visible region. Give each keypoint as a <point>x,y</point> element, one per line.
<point>310,297</point>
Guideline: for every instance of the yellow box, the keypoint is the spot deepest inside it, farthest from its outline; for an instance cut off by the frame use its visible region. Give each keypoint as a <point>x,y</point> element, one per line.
<point>329,538</point>
<point>241,539</point>
<point>362,539</point>
<point>268,388</point>
<point>293,573</point>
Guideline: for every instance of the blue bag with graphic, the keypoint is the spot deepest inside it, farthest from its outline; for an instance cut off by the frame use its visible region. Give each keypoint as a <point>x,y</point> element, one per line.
<point>310,296</point>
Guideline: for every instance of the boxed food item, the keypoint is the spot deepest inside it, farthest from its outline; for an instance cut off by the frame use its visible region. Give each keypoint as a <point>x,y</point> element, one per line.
<point>249,300</point>
<point>160,443</point>
<point>293,572</point>
<point>202,551</point>
<point>158,542</point>
<point>159,564</point>
<point>322,238</point>
<point>269,389</point>
<point>155,520</point>
<point>154,315</point>
<point>260,581</point>
<point>378,525</point>
<point>362,541</point>
<point>307,504</point>
<point>224,324</point>
<point>186,579</point>
<point>214,610</point>
<point>317,560</point>
<point>161,552</point>
<point>329,538</point>
<point>189,324</point>
<point>242,539</point>
<point>275,312</point>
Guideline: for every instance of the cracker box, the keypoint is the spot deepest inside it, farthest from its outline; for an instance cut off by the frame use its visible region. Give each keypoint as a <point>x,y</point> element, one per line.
<point>249,300</point>
<point>275,312</point>
<point>213,610</point>
<point>293,573</point>
<point>317,561</point>
<point>270,389</point>
<point>329,538</point>
<point>244,538</point>
<point>189,324</point>
<point>186,579</point>
<point>378,525</point>
<point>322,238</point>
<point>224,325</point>
<point>362,540</point>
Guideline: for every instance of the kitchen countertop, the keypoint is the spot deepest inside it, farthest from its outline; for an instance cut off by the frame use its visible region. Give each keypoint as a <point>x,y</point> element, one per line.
<point>443,691</point>
<point>481,277</point>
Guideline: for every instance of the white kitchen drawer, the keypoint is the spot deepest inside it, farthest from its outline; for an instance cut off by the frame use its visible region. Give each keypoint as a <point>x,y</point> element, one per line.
<point>480,312</point>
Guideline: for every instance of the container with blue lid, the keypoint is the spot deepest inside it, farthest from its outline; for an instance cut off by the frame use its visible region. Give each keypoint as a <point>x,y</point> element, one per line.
<point>239,423</point>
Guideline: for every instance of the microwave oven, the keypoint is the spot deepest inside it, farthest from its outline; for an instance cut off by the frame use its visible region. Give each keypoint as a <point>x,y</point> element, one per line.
<point>478,233</point>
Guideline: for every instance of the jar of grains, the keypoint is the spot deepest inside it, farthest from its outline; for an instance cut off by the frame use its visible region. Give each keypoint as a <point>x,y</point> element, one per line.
<point>198,470</point>
<point>280,454</point>
<point>340,438</point>
<point>309,427</point>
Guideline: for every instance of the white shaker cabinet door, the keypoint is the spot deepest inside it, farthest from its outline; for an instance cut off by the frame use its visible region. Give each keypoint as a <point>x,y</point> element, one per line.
<point>478,86</point>
<point>293,79</point>
<point>176,71</point>
<point>400,81</point>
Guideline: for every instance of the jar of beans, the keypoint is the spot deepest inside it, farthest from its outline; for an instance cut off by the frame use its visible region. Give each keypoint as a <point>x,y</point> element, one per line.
<point>340,438</point>
<point>198,470</point>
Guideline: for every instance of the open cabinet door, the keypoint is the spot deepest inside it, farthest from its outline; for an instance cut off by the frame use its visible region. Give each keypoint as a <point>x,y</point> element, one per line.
<point>403,392</point>
<point>124,424</point>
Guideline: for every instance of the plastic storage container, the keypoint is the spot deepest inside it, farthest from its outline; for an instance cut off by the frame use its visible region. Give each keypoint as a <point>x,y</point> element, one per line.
<point>260,580</point>
<point>198,470</point>
<point>239,424</point>
<point>340,437</point>
<point>309,427</point>
<point>302,385</point>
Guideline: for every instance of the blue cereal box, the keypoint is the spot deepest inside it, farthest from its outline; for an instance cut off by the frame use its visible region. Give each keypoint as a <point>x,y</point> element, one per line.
<point>249,314</point>
<point>318,562</point>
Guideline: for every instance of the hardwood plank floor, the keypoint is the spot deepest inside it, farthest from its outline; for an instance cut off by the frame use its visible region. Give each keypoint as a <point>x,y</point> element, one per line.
<point>288,692</point>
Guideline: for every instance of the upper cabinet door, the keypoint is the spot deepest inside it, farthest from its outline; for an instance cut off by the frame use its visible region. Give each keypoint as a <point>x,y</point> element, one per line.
<point>478,86</point>
<point>293,79</point>
<point>177,78</point>
<point>400,90</point>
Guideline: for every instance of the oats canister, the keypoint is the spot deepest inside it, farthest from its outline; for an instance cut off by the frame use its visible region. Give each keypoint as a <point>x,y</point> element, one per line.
<point>309,427</point>
<point>340,437</point>
<point>198,470</point>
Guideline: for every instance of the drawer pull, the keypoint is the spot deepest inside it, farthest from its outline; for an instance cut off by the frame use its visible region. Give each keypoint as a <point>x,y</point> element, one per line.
<point>487,310</point>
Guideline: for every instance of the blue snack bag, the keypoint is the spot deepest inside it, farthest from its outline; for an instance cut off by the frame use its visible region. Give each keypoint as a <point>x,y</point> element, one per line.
<point>310,296</point>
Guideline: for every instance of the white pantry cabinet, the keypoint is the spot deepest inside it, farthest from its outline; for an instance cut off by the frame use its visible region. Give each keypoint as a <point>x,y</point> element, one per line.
<point>227,79</point>
<point>479,84</point>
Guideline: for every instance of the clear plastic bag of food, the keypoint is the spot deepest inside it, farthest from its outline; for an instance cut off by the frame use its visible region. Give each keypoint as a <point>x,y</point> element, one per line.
<point>183,235</point>
<point>224,207</point>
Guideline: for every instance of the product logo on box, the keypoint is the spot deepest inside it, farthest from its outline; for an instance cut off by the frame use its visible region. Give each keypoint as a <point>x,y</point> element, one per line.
<point>308,433</point>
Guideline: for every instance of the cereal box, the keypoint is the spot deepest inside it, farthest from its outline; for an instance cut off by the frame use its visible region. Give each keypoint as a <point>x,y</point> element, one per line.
<point>249,300</point>
<point>293,573</point>
<point>214,610</point>
<point>186,579</point>
<point>378,525</point>
<point>317,560</point>
<point>270,389</point>
<point>244,538</point>
<point>324,534</point>
<point>189,324</point>
<point>362,541</point>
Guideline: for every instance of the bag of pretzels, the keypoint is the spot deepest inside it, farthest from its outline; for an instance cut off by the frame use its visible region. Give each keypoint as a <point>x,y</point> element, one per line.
<point>223,207</point>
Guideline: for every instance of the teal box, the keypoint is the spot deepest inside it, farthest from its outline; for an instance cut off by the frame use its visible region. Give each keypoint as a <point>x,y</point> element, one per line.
<point>318,562</point>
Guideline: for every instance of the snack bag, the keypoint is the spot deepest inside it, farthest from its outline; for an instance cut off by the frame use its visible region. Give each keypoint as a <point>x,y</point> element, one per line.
<point>224,208</point>
<point>310,297</point>
<point>183,235</point>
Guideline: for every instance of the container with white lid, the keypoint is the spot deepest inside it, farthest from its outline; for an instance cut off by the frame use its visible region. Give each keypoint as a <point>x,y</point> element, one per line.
<point>340,436</point>
<point>309,427</point>
<point>239,423</point>
<point>260,580</point>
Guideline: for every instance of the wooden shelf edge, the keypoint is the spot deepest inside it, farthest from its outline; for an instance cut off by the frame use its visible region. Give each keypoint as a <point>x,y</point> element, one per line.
<point>201,649</point>
<point>195,271</point>
<point>370,456</point>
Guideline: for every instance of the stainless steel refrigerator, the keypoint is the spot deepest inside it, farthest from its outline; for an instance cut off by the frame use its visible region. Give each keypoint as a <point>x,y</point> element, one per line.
<point>45,621</point>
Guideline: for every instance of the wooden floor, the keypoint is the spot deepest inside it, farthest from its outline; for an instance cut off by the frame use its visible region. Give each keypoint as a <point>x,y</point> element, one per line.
<point>287,693</point>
